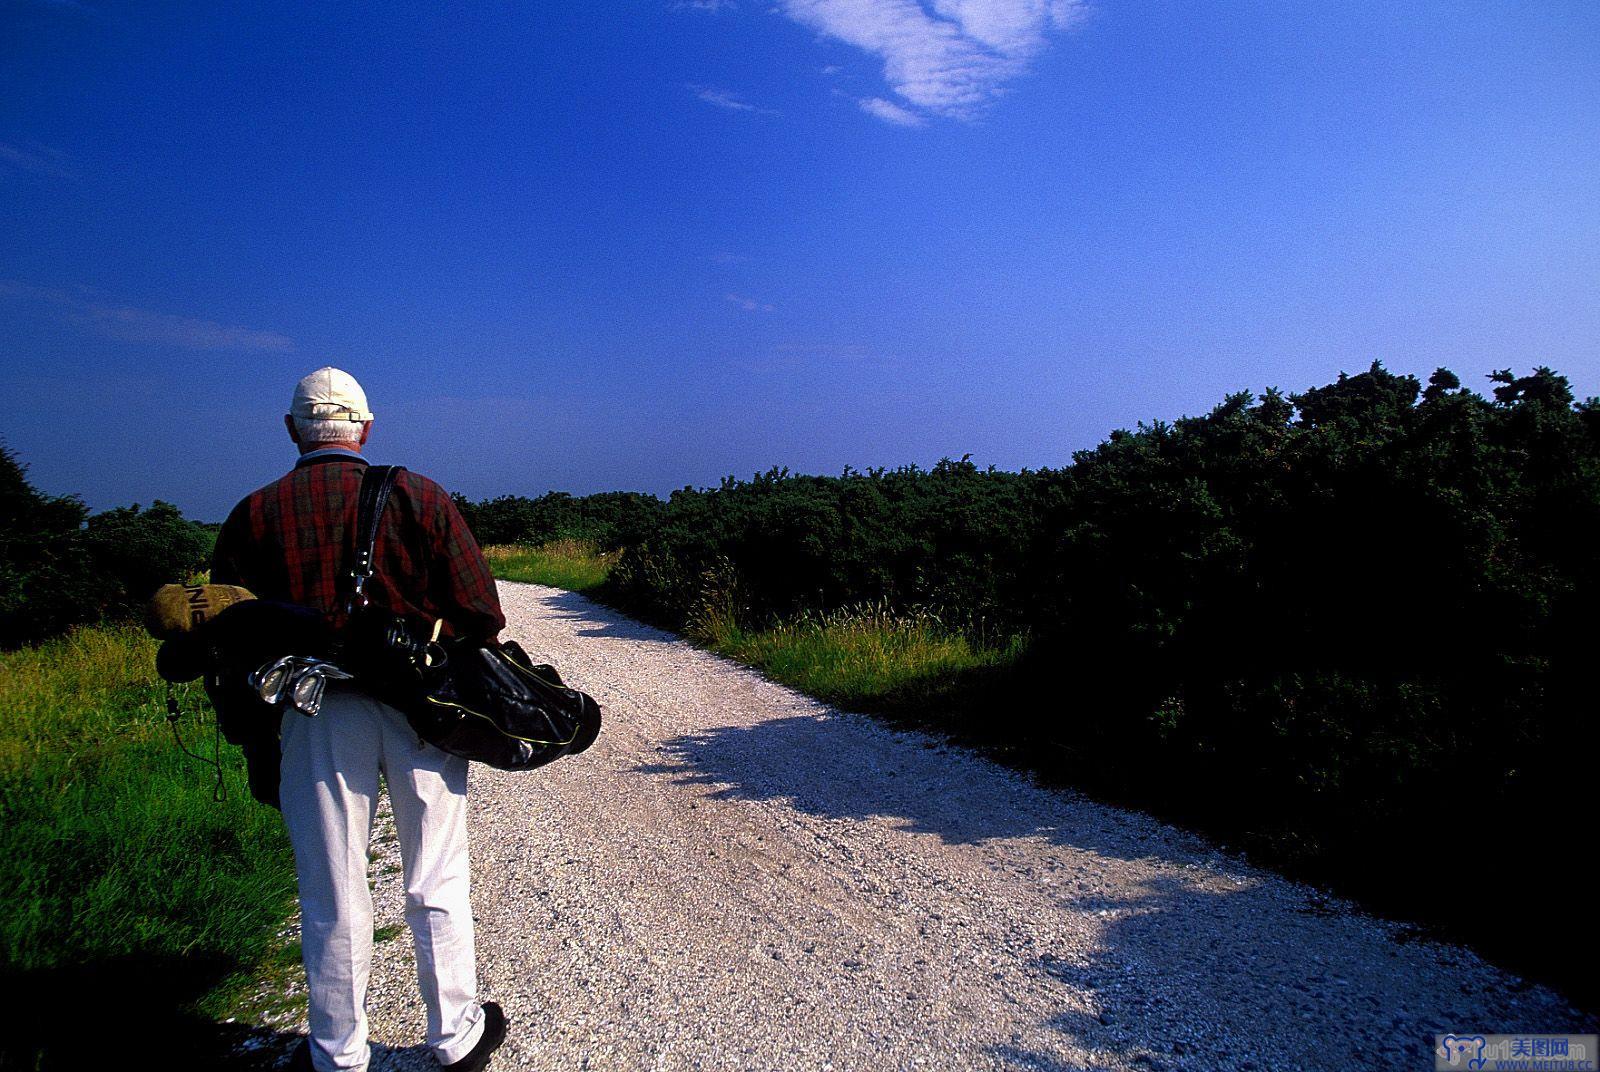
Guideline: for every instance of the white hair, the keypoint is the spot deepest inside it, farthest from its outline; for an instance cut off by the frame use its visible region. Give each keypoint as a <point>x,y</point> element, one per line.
<point>326,430</point>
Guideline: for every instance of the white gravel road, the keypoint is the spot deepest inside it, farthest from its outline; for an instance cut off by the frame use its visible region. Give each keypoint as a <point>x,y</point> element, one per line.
<point>738,877</point>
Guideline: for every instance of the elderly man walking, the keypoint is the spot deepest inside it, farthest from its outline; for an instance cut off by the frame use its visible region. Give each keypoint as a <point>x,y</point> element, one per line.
<point>293,540</point>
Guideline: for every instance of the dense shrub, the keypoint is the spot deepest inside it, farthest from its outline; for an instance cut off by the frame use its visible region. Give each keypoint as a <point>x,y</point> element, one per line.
<point>1348,598</point>
<point>1373,600</point>
<point>45,580</point>
<point>61,567</point>
<point>952,537</point>
<point>1347,628</point>
<point>136,551</point>
<point>609,519</point>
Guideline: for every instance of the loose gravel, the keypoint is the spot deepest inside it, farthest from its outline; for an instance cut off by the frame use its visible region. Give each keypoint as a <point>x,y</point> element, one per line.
<point>738,877</point>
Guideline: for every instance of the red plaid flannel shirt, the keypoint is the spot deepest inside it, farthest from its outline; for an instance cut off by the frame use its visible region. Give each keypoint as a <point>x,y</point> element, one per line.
<point>293,540</point>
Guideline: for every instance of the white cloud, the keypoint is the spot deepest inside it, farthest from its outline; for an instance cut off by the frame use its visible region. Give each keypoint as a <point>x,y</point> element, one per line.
<point>940,57</point>
<point>40,160</point>
<point>710,6</point>
<point>140,325</point>
<point>128,324</point>
<point>723,98</point>
<point>749,305</point>
<point>890,112</point>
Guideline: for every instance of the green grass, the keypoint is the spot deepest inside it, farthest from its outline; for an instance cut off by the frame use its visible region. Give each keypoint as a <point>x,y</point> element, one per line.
<point>866,658</point>
<point>131,896</point>
<point>572,564</point>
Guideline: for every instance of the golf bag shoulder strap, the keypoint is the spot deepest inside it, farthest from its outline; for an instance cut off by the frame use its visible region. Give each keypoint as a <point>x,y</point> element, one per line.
<point>376,484</point>
<point>477,699</point>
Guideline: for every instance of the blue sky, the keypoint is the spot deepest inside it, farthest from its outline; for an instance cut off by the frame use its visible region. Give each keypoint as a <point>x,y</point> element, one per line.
<point>644,245</point>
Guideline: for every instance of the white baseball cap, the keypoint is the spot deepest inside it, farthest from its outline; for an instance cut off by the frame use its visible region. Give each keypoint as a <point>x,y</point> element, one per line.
<point>330,394</point>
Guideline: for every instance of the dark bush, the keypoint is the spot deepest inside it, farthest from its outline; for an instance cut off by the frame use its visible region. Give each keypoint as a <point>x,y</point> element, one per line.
<point>1345,611</point>
<point>56,573</point>
<point>953,537</point>
<point>1343,629</point>
<point>136,551</point>
<point>609,519</point>
<point>46,585</point>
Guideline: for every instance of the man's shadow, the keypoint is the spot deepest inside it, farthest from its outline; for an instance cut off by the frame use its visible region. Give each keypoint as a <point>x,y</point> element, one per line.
<point>139,1012</point>
<point>126,1011</point>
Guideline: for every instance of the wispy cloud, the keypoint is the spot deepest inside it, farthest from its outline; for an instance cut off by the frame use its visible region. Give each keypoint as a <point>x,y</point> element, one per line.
<point>890,112</point>
<point>749,305</point>
<point>947,58</point>
<point>709,6</point>
<point>126,323</point>
<point>37,159</point>
<point>141,325</point>
<point>723,98</point>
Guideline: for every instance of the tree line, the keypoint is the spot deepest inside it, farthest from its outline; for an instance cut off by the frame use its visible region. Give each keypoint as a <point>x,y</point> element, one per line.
<point>60,566</point>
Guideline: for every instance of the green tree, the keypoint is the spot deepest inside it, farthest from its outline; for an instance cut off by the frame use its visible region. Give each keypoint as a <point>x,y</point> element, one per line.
<point>45,582</point>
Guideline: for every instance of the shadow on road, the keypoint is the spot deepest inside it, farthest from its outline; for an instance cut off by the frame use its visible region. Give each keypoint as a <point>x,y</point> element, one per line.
<point>1191,970</point>
<point>603,621</point>
<point>1187,977</point>
<point>1208,971</point>
<point>847,766</point>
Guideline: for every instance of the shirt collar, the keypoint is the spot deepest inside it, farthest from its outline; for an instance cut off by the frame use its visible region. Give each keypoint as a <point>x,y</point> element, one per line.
<point>329,454</point>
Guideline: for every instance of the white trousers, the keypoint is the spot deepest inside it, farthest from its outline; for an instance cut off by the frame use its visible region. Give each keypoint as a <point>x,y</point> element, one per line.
<point>329,793</point>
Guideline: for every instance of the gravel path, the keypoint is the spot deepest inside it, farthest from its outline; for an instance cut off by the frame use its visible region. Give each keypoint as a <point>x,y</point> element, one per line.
<point>738,877</point>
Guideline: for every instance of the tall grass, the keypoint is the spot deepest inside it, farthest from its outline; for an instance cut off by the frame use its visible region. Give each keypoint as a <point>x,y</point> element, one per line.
<point>572,564</point>
<point>132,897</point>
<point>868,657</point>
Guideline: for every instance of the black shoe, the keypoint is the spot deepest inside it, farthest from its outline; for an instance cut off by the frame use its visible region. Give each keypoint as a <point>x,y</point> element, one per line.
<point>300,1059</point>
<point>494,1033</point>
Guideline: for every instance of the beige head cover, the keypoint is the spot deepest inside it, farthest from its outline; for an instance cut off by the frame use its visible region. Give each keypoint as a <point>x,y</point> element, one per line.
<point>330,394</point>
<point>176,609</point>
